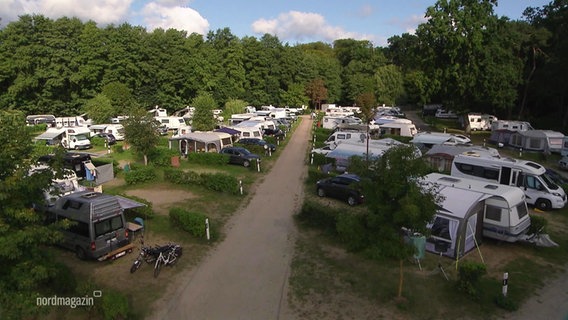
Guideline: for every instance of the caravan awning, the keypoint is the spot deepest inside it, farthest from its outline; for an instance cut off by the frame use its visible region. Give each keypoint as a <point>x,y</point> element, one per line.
<point>50,134</point>
<point>229,131</point>
<point>126,203</point>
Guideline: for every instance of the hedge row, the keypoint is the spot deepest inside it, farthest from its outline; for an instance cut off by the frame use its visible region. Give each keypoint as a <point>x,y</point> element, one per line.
<point>208,158</point>
<point>213,181</point>
<point>140,174</point>
<point>193,223</point>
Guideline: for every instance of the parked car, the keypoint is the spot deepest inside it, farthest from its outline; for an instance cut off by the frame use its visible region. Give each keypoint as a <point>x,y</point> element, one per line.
<point>257,142</point>
<point>563,163</point>
<point>272,132</point>
<point>343,187</point>
<point>240,155</point>
<point>109,137</point>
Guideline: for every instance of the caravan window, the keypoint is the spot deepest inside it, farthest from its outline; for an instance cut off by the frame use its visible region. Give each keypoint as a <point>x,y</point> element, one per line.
<point>522,210</point>
<point>493,213</point>
<point>108,225</point>
<point>246,134</point>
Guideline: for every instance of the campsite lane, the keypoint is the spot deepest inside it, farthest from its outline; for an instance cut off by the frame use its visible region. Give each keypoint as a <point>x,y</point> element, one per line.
<point>246,275</point>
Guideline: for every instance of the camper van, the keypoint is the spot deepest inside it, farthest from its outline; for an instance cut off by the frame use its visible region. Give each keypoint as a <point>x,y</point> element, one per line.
<point>77,121</point>
<point>478,121</point>
<point>75,138</point>
<point>505,212</point>
<point>99,227</point>
<point>531,177</point>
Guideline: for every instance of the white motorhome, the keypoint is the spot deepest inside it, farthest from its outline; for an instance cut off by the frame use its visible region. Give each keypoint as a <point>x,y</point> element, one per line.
<point>511,125</point>
<point>428,139</point>
<point>76,121</point>
<point>399,127</point>
<point>240,117</point>
<point>531,177</point>
<point>331,122</point>
<point>158,112</point>
<point>478,121</point>
<point>116,129</point>
<point>70,138</point>
<point>341,136</point>
<point>505,212</point>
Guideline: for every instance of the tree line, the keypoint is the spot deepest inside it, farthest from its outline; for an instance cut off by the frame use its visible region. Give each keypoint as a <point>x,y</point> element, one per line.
<point>464,56</point>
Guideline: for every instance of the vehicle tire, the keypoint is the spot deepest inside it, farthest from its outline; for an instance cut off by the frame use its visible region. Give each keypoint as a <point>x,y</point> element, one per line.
<point>157,269</point>
<point>543,204</point>
<point>246,164</point>
<point>351,201</point>
<point>135,266</point>
<point>80,253</point>
<point>321,192</point>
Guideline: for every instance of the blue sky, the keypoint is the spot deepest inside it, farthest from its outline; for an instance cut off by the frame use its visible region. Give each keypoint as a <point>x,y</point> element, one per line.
<point>293,21</point>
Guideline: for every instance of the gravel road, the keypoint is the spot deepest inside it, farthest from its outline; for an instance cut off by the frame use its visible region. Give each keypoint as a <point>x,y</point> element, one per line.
<point>246,276</point>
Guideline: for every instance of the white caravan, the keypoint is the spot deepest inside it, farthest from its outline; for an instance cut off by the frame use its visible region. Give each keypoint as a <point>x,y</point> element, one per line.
<point>171,123</point>
<point>478,121</point>
<point>399,127</point>
<point>116,129</point>
<point>341,136</point>
<point>331,122</point>
<point>76,121</point>
<point>505,212</point>
<point>428,139</point>
<point>511,125</point>
<point>531,177</point>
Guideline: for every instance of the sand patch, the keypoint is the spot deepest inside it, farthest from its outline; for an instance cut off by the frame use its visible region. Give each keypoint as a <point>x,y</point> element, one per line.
<point>162,199</point>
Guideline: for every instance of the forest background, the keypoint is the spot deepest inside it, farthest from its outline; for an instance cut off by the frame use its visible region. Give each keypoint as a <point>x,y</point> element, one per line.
<point>463,56</point>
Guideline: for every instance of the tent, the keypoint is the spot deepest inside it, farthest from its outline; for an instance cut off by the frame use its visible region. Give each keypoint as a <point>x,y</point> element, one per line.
<point>537,140</point>
<point>500,136</point>
<point>458,224</point>
<point>201,141</point>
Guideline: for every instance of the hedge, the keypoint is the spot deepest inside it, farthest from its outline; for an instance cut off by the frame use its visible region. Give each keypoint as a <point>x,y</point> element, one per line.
<point>213,181</point>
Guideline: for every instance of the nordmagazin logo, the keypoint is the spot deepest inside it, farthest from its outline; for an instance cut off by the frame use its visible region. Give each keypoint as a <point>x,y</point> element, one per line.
<point>73,302</point>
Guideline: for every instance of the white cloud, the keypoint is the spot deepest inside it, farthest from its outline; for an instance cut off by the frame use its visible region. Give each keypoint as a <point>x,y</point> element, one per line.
<point>165,14</point>
<point>301,26</point>
<point>409,24</point>
<point>101,11</point>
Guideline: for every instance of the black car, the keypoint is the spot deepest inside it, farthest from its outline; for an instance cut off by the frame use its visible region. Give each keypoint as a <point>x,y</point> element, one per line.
<point>109,137</point>
<point>273,132</point>
<point>341,187</point>
<point>257,142</point>
<point>239,155</point>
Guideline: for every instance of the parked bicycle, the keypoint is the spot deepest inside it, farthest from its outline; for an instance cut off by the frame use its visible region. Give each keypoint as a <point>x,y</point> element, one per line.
<point>158,255</point>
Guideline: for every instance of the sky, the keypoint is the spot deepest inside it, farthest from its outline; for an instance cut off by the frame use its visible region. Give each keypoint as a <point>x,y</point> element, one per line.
<point>292,21</point>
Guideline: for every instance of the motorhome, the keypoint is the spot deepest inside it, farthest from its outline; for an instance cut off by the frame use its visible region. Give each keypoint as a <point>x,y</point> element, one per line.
<point>75,138</point>
<point>505,212</point>
<point>99,226</point>
<point>478,121</point>
<point>428,139</point>
<point>158,112</point>
<point>76,121</point>
<point>116,129</point>
<point>331,122</point>
<point>531,177</point>
<point>240,117</point>
<point>399,127</point>
<point>511,125</point>
<point>36,119</point>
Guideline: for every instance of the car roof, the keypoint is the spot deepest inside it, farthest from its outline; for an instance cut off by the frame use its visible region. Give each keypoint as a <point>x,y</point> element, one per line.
<point>350,176</point>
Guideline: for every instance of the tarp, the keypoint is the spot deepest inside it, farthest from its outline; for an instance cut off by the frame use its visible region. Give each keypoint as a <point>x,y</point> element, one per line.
<point>126,203</point>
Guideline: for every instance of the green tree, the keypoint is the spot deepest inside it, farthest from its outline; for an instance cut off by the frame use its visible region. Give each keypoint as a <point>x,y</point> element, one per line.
<point>26,265</point>
<point>140,131</point>
<point>120,97</point>
<point>99,109</point>
<point>203,119</point>
<point>390,84</point>
<point>295,96</point>
<point>366,103</point>
<point>316,91</point>
<point>396,200</point>
<point>234,106</point>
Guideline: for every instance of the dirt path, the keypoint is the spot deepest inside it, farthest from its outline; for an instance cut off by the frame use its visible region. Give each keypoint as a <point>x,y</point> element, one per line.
<point>246,276</point>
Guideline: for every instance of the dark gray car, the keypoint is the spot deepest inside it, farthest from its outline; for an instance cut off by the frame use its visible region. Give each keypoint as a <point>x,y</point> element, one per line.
<point>239,155</point>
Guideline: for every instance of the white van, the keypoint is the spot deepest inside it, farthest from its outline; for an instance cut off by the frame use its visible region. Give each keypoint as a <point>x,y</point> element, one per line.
<point>341,136</point>
<point>478,121</point>
<point>531,177</point>
<point>116,129</point>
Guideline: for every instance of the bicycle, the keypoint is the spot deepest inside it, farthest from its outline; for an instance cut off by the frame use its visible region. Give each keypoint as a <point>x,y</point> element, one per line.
<point>167,255</point>
<point>147,254</point>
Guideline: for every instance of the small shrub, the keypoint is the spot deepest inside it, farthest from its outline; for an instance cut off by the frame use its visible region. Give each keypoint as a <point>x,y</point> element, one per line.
<point>162,157</point>
<point>315,174</point>
<point>192,222</point>
<point>64,281</point>
<point>506,303</point>
<point>97,141</point>
<point>315,215</point>
<point>208,158</point>
<point>320,159</point>
<point>220,182</point>
<point>351,230</point>
<point>469,274</point>
<point>115,305</point>
<point>179,176</point>
<point>140,175</point>
<point>117,148</point>
<point>538,224</point>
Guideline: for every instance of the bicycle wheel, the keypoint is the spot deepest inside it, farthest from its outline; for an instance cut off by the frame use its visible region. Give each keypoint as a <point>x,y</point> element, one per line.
<point>137,263</point>
<point>157,268</point>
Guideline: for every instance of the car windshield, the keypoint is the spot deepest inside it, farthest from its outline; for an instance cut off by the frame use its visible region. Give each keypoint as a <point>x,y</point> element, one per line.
<point>549,182</point>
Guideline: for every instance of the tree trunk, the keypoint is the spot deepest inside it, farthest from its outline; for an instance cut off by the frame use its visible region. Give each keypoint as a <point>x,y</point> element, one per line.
<point>526,89</point>
<point>400,280</point>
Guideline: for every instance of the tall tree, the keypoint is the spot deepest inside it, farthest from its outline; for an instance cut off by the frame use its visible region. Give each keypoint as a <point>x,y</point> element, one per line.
<point>203,119</point>
<point>26,265</point>
<point>140,131</point>
<point>317,92</point>
<point>99,109</point>
<point>390,84</point>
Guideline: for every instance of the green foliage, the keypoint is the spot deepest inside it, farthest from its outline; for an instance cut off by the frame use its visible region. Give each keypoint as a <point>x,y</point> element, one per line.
<point>213,181</point>
<point>469,273</point>
<point>192,222</point>
<point>178,176</point>
<point>208,158</point>
<point>145,212</point>
<point>63,282</point>
<point>390,84</point>
<point>117,148</point>
<point>506,303</point>
<point>99,109</point>
<point>351,230</point>
<point>141,134</point>
<point>538,225</point>
<point>233,106</point>
<point>115,305</point>
<point>162,156</point>
<point>315,174</point>
<point>313,214</point>
<point>202,119</point>
<point>140,175</point>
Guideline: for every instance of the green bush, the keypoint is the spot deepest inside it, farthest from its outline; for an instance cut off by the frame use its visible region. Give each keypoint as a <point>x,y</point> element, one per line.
<point>320,159</point>
<point>38,128</point>
<point>469,273</point>
<point>351,230</point>
<point>192,222</point>
<point>115,305</point>
<point>162,157</point>
<point>259,150</point>
<point>315,174</point>
<point>179,176</point>
<point>145,212</point>
<point>538,224</point>
<point>117,148</point>
<point>315,215</point>
<point>97,141</point>
<point>64,281</point>
<point>140,175</point>
<point>220,182</point>
<point>208,158</point>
